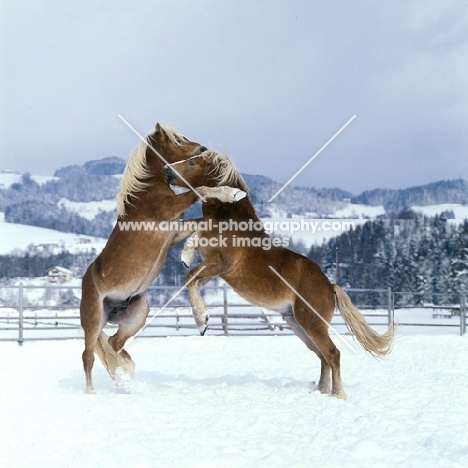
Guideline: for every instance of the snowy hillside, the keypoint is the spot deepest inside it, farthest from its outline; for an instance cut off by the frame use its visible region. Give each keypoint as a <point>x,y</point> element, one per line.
<point>20,237</point>
<point>356,211</point>
<point>81,199</point>
<point>459,211</point>
<point>236,402</point>
<point>88,210</point>
<point>7,179</point>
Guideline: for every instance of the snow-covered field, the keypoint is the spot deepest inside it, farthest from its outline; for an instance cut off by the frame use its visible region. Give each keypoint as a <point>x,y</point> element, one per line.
<point>460,211</point>
<point>21,236</point>
<point>359,211</point>
<point>235,402</point>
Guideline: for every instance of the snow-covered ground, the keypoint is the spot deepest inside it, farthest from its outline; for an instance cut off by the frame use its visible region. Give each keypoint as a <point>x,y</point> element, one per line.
<point>21,236</point>
<point>235,402</point>
<point>460,211</point>
<point>359,211</point>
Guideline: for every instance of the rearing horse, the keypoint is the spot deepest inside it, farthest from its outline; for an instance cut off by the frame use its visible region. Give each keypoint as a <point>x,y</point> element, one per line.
<point>266,274</point>
<point>113,286</point>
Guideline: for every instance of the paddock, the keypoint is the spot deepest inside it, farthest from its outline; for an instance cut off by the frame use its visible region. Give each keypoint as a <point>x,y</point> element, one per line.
<point>218,401</point>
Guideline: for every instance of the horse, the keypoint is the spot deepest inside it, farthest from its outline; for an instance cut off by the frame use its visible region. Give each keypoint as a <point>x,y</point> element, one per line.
<point>265,273</point>
<point>114,284</point>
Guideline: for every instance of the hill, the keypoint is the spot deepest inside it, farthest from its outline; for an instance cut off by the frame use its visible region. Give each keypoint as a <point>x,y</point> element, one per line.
<point>79,199</point>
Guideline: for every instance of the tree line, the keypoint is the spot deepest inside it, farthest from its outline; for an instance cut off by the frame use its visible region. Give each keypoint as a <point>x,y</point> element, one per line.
<point>423,255</point>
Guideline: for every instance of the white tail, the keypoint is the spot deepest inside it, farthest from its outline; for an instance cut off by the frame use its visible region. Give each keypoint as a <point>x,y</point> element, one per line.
<point>377,345</point>
<point>112,360</point>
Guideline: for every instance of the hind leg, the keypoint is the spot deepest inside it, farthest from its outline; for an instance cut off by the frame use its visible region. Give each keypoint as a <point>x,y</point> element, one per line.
<point>324,382</point>
<point>91,333</point>
<point>196,278</point>
<point>130,322</point>
<point>92,322</point>
<point>317,331</point>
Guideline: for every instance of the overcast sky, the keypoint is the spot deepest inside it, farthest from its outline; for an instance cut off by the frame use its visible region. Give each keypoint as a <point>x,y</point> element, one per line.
<point>268,81</point>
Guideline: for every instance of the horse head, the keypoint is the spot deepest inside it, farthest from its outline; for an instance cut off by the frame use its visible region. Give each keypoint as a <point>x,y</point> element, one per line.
<point>172,145</point>
<point>209,169</point>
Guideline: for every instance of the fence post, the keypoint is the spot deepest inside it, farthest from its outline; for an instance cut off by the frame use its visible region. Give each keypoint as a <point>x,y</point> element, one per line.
<point>391,309</point>
<point>20,314</point>
<point>462,314</point>
<point>225,307</point>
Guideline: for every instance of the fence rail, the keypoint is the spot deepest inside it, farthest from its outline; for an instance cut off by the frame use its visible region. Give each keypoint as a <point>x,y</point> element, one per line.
<point>51,312</point>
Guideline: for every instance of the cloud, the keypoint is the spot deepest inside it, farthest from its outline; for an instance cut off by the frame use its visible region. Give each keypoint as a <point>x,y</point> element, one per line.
<point>270,81</point>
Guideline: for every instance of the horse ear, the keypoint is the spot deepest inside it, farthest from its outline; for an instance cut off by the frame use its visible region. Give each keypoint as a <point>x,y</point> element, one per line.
<point>158,128</point>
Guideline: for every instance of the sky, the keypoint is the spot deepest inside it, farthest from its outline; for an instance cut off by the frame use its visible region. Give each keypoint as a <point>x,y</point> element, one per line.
<point>269,82</point>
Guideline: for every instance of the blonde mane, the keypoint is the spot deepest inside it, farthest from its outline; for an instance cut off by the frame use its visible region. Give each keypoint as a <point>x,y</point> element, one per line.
<point>136,171</point>
<point>226,173</point>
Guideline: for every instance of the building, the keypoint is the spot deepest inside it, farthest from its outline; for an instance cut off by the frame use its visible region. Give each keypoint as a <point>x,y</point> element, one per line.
<point>58,274</point>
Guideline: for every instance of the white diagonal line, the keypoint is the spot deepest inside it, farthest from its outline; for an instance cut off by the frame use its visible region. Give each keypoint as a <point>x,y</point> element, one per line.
<point>157,153</point>
<point>312,158</point>
<point>316,313</point>
<point>159,312</point>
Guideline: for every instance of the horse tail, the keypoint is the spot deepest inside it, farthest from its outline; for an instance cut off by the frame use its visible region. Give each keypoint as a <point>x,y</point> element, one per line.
<point>375,344</point>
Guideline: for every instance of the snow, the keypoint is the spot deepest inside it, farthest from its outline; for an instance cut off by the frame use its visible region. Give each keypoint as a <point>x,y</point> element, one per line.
<point>88,210</point>
<point>323,230</point>
<point>7,179</point>
<point>235,402</point>
<point>21,236</point>
<point>460,211</point>
<point>359,211</point>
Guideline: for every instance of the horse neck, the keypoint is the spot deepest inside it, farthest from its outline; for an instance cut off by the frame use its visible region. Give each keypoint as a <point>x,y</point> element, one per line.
<point>243,209</point>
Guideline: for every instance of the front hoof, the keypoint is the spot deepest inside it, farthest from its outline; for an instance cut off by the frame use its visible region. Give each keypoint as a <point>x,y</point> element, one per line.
<point>201,323</point>
<point>238,195</point>
<point>185,259</point>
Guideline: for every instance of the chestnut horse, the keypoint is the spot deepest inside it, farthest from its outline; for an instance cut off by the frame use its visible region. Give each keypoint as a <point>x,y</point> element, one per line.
<point>113,287</point>
<point>266,274</point>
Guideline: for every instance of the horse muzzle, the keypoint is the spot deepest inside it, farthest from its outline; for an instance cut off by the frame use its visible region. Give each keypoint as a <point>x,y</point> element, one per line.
<point>169,173</point>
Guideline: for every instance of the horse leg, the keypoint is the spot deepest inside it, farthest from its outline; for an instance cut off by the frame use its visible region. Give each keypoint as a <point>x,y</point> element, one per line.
<point>324,382</point>
<point>92,322</point>
<point>130,321</point>
<point>202,274</point>
<point>317,331</point>
<point>224,193</point>
<point>180,203</point>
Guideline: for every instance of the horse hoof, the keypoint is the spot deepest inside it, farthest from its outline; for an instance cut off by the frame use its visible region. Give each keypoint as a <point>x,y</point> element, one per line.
<point>202,325</point>
<point>238,195</point>
<point>184,258</point>
<point>340,395</point>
